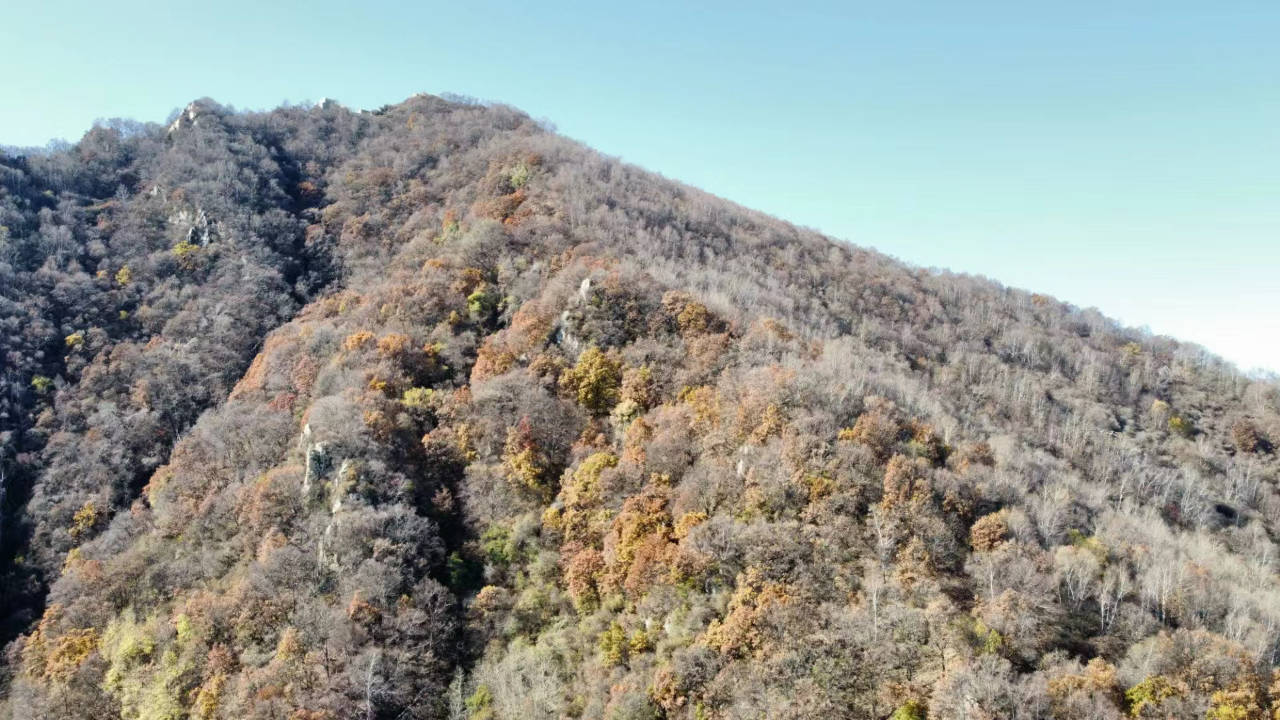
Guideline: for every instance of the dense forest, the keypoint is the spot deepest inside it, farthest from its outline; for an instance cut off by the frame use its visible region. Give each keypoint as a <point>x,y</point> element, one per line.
<point>429,412</point>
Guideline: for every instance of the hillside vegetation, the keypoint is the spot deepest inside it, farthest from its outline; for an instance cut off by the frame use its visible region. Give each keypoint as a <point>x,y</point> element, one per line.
<point>429,412</point>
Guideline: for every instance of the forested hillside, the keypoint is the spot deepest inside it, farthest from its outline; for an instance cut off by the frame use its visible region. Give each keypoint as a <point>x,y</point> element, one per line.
<point>429,412</point>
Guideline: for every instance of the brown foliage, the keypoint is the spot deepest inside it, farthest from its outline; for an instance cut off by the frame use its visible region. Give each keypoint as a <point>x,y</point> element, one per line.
<point>582,576</point>
<point>1246,437</point>
<point>905,483</point>
<point>878,429</point>
<point>979,453</point>
<point>989,532</point>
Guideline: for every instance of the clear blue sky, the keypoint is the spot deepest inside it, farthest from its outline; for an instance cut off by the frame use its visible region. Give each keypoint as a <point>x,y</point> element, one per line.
<point>1118,154</point>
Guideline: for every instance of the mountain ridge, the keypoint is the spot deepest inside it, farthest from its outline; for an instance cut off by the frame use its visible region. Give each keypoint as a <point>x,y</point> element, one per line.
<point>516,429</point>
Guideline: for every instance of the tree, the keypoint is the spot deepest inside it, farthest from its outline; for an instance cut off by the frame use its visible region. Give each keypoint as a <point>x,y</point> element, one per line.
<point>594,381</point>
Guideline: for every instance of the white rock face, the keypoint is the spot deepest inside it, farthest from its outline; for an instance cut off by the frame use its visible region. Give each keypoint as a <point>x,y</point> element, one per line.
<point>564,337</point>
<point>189,117</point>
<point>318,464</point>
<point>199,229</point>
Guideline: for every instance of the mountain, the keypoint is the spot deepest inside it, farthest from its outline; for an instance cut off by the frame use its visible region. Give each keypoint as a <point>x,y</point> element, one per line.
<point>428,412</point>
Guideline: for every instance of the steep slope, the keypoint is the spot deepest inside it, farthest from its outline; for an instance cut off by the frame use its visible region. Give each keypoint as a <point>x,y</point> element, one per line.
<point>141,270</point>
<point>562,438</point>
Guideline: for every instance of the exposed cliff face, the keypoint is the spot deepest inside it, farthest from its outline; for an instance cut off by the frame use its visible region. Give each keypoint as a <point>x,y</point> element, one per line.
<point>531,433</point>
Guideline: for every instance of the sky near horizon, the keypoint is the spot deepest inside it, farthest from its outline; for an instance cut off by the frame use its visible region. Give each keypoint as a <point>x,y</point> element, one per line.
<point>1121,155</point>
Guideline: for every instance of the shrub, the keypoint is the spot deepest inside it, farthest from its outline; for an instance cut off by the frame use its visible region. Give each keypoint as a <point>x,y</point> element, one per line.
<point>1181,426</point>
<point>989,532</point>
<point>910,710</point>
<point>905,482</point>
<point>926,443</point>
<point>594,381</point>
<point>585,489</point>
<point>1243,700</point>
<point>357,340</point>
<point>1246,438</point>
<point>581,576</point>
<point>393,345</point>
<point>418,398</point>
<point>691,317</point>
<point>639,388</point>
<point>483,302</point>
<point>976,454</point>
<point>1151,692</point>
<point>497,546</point>
<point>877,428</point>
<point>187,254</point>
<point>519,175</point>
<point>480,704</point>
<point>989,640</point>
<point>527,466</point>
<point>613,645</point>
<point>85,520</point>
